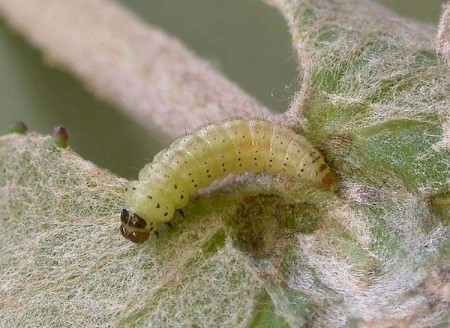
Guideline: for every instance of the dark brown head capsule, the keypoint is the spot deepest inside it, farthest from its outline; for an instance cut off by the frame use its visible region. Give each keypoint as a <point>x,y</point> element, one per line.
<point>132,219</point>
<point>133,227</point>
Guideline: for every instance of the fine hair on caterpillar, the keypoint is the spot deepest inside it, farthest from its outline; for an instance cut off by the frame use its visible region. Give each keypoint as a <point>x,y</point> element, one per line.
<point>210,153</point>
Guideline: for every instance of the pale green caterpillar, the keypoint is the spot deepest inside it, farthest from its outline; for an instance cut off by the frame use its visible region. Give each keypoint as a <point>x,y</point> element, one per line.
<point>211,153</point>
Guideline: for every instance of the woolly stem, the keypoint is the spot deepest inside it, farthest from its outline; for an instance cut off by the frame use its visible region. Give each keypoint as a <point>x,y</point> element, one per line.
<point>443,36</point>
<point>153,77</point>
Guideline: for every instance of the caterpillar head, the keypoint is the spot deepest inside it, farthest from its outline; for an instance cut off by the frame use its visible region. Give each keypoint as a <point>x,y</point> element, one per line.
<point>146,207</point>
<point>133,227</point>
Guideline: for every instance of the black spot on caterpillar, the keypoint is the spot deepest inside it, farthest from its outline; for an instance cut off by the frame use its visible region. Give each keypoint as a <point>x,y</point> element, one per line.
<point>211,153</point>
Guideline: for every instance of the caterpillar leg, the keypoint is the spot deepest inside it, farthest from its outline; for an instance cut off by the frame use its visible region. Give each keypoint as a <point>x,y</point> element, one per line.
<point>169,224</point>
<point>180,211</point>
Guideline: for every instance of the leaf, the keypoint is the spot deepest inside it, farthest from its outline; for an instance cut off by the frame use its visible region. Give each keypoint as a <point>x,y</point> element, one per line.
<point>258,250</point>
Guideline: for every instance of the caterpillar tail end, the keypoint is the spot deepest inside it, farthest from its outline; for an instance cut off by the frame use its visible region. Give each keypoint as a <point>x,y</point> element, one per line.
<point>329,182</point>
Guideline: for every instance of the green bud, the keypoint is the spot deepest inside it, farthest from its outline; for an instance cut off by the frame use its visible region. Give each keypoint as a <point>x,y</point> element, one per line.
<point>60,136</point>
<point>18,127</point>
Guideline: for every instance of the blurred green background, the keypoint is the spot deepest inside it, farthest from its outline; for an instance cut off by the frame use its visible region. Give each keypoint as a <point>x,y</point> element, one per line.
<point>247,40</point>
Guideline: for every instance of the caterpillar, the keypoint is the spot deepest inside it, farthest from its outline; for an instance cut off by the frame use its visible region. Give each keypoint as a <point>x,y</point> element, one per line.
<point>213,152</point>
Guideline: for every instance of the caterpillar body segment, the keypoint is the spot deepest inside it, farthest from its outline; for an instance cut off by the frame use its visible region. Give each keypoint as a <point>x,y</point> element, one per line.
<point>213,152</point>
